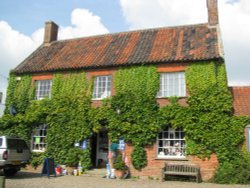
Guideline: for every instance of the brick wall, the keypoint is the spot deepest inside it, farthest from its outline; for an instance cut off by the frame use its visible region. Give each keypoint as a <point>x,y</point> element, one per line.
<point>155,165</point>
<point>153,169</point>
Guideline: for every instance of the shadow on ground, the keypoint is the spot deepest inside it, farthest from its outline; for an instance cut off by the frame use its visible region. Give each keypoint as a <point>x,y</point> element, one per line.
<point>26,175</point>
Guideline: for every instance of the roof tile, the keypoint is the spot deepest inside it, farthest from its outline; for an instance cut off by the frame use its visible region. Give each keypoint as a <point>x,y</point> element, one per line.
<point>183,43</point>
<point>241,100</point>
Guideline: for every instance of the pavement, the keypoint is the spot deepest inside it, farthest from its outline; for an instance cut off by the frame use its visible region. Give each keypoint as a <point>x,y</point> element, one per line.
<point>33,179</point>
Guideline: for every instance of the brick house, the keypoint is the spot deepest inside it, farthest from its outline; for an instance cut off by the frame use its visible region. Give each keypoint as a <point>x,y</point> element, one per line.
<point>170,49</point>
<point>241,104</point>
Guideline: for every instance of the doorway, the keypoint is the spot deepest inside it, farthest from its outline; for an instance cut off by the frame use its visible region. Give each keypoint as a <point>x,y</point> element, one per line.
<point>102,148</point>
<point>99,149</point>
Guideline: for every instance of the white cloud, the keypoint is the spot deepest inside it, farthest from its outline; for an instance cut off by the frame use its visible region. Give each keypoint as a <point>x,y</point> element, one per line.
<point>84,23</point>
<point>153,13</point>
<point>234,22</point>
<point>15,46</point>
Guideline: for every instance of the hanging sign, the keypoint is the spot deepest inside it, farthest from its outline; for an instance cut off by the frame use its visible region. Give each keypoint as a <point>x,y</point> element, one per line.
<point>84,144</point>
<point>121,145</point>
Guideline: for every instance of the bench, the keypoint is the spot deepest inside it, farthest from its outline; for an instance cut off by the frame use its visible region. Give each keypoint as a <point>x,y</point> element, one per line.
<point>181,170</point>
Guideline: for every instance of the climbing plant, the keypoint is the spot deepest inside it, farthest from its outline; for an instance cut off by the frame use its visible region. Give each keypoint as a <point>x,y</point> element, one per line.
<point>66,115</point>
<point>135,112</point>
<point>68,119</point>
<point>19,93</point>
<point>208,120</point>
<point>210,113</point>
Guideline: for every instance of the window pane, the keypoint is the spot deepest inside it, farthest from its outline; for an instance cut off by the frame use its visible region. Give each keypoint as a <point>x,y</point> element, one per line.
<point>172,84</point>
<point>172,144</point>
<point>102,87</point>
<point>43,89</point>
<point>39,138</point>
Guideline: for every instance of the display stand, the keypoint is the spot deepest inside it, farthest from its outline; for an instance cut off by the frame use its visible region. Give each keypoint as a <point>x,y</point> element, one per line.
<point>48,167</point>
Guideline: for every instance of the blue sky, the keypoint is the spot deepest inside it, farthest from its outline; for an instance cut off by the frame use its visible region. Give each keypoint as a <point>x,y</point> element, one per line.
<point>27,16</point>
<point>22,22</point>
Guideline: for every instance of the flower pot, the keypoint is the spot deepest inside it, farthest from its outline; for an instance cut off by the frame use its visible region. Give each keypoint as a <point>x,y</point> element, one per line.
<point>119,174</point>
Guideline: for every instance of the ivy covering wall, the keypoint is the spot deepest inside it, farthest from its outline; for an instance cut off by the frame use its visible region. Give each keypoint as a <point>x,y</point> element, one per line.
<point>133,114</point>
<point>137,110</point>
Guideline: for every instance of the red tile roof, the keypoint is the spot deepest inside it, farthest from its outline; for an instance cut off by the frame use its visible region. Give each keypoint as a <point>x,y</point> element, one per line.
<point>160,45</point>
<point>241,100</point>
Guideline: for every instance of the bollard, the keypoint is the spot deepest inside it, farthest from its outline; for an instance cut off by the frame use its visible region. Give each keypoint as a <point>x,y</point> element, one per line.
<point>2,181</point>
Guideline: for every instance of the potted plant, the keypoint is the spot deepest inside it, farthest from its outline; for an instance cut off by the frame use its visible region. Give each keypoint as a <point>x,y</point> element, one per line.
<point>120,167</point>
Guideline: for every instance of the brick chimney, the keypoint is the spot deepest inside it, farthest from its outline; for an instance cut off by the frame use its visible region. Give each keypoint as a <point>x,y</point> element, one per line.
<point>212,8</point>
<point>50,32</point>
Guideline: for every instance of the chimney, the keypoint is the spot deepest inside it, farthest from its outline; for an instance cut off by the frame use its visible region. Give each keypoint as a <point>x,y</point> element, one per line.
<point>50,32</point>
<point>212,8</point>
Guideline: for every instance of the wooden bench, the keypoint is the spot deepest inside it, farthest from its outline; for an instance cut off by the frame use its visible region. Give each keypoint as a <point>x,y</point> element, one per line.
<point>181,170</point>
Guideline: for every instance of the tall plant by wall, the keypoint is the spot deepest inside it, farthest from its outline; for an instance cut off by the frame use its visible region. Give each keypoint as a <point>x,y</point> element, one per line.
<point>66,114</point>
<point>19,94</point>
<point>68,120</point>
<point>208,121</point>
<point>210,113</point>
<point>135,114</point>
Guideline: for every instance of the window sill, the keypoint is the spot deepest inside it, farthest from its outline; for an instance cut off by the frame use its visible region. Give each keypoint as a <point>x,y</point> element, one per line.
<point>99,99</point>
<point>38,151</point>
<point>172,158</point>
<point>179,97</point>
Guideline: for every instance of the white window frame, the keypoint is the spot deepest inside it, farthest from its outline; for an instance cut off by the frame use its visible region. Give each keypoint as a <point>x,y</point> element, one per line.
<point>102,87</point>
<point>172,84</point>
<point>39,138</point>
<point>43,89</point>
<point>171,144</point>
<point>248,137</point>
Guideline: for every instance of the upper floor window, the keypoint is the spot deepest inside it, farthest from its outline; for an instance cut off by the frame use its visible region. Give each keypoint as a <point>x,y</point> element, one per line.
<point>102,87</point>
<point>171,143</point>
<point>172,84</point>
<point>38,138</point>
<point>43,89</point>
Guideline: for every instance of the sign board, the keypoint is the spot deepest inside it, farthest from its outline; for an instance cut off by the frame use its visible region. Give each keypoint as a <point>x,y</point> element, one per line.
<point>48,167</point>
<point>121,145</point>
<point>84,144</point>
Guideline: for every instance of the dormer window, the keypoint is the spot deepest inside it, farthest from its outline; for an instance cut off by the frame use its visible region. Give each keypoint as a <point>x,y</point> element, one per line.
<point>43,89</point>
<point>102,87</point>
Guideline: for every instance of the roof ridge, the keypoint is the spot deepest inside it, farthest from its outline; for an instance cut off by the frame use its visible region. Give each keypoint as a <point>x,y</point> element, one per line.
<point>131,32</point>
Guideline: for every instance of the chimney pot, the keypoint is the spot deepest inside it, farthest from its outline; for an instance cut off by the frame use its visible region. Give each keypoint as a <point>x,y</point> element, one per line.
<point>50,32</point>
<point>212,7</point>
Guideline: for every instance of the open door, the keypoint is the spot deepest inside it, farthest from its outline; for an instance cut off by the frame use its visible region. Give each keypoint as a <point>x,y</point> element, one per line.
<point>102,147</point>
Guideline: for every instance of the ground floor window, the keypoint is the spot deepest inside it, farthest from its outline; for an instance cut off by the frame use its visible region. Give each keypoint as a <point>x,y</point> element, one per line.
<point>171,143</point>
<point>39,138</point>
